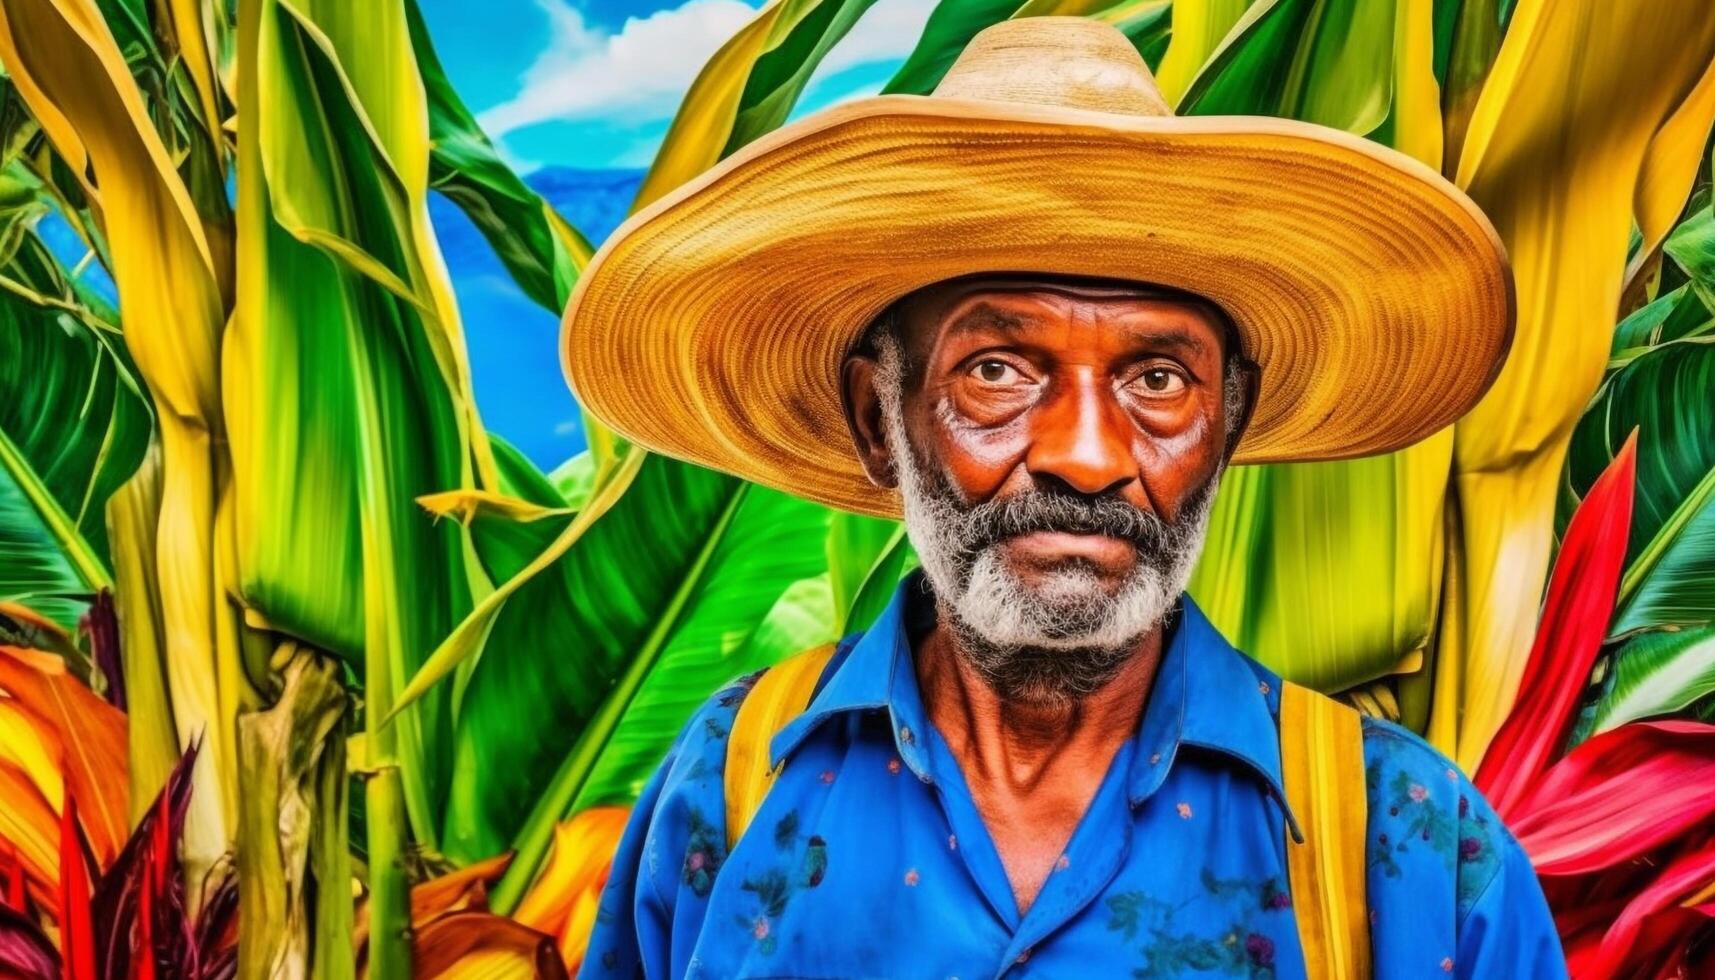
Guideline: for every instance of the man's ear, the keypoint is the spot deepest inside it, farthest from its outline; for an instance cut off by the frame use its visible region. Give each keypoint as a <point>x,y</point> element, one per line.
<point>862,402</point>
<point>1250,379</point>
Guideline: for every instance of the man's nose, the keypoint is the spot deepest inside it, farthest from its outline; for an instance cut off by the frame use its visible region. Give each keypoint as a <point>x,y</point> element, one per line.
<point>1082,439</point>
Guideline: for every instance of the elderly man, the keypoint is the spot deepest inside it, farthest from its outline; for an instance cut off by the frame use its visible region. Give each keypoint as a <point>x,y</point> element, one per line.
<point>1042,760</point>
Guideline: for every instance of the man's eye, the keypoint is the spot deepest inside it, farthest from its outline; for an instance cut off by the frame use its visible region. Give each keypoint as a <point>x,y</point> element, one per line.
<point>995,372</point>
<point>1160,381</point>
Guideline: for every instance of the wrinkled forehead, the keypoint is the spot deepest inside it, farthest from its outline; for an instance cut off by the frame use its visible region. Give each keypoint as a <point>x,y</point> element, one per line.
<point>920,318</point>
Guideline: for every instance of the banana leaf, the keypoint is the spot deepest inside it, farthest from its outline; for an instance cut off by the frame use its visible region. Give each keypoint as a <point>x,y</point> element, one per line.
<point>1664,393</point>
<point>1198,27</point>
<point>619,642</point>
<point>1677,315</point>
<point>77,86</point>
<point>1657,673</point>
<point>345,326</point>
<point>1558,168</point>
<point>867,557</point>
<point>951,26</point>
<point>1323,61</point>
<point>74,423</point>
<point>953,23</point>
<point>1692,246</point>
<point>1331,572</point>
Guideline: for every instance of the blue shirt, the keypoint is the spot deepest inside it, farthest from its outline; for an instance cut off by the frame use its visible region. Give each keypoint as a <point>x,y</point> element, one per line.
<point>868,857</point>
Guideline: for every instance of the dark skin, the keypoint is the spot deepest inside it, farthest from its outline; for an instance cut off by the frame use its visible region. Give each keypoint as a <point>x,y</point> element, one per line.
<point>1015,382</point>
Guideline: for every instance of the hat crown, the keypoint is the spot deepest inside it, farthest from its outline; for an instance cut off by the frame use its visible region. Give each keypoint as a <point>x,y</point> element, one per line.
<point>1070,62</point>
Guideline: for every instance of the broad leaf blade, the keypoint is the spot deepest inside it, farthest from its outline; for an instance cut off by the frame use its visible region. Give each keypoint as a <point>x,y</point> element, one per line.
<point>1658,673</point>
<point>1574,620</point>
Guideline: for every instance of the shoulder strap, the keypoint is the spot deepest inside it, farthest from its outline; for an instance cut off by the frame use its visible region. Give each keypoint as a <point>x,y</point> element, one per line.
<point>1322,763</point>
<point>779,695</point>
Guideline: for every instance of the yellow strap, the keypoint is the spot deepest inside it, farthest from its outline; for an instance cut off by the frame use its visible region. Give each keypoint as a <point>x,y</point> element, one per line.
<point>1322,762</point>
<point>780,695</point>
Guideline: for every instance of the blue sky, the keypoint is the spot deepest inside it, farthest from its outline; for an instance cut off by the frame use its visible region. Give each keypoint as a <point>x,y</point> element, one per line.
<point>567,86</point>
<point>578,93</point>
<point>594,83</point>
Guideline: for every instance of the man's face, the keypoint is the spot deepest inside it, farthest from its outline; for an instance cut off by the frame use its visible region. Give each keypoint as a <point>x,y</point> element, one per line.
<point>1056,446</point>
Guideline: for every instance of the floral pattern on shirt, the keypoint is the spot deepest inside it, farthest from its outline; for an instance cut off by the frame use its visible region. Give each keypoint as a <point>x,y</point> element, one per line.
<point>1415,816</point>
<point>774,887</point>
<point>1169,950</point>
<point>851,870</point>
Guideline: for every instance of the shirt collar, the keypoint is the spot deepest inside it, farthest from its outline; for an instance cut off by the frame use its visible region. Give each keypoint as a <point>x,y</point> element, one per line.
<point>1207,697</point>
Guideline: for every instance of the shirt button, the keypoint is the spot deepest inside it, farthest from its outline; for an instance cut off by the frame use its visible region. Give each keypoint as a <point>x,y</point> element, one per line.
<point>905,734</point>
<point>1154,758</point>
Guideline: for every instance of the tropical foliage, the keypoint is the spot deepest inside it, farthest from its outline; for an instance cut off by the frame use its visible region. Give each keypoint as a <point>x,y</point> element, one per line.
<point>258,552</point>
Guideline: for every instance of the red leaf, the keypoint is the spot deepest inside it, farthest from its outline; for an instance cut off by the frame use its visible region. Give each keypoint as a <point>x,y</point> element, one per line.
<point>1618,796</point>
<point>1574,621</point>
<point>118,896</point>
<point>145,953</point>
<point>1657,912</point>
<point>25,952</point>
<point>77,934</point>
<point>13,870</point>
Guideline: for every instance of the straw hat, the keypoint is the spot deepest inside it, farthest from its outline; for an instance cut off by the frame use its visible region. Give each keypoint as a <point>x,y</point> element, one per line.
<point>711,326</point>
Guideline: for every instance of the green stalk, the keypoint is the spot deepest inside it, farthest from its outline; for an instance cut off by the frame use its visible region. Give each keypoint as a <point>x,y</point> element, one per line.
<point>531,844</point>
<point>383,659</point>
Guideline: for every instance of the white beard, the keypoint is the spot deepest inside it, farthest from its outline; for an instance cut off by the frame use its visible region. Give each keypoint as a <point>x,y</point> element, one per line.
<point>1067,609</point>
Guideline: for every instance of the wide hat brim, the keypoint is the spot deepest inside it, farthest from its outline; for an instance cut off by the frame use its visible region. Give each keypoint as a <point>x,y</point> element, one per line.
<point>1373,294</point>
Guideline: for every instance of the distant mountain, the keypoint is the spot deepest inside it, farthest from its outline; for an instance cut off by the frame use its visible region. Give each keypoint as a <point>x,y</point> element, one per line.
<point>513,343</point>
<point>594,201</point>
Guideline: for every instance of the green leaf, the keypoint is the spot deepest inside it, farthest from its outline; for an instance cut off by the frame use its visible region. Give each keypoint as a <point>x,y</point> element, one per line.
<point>346,390</point>
<point>748,87</point>
<point>542,251</point>
<point>73,426</point>
<point>617,642</point>
<point>1670,556</point>
<point>1676,315</point>
<point>953,23</point>
<point>892,564</point>
<point>1692,248</point>
<point>951,26</point>
<point>1658,673</point>
<point>1323,61</point>
<point>855,543</point>
<point>778,77</point>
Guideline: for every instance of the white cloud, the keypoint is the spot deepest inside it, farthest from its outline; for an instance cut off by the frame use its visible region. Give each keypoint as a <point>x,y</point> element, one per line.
<point>639,74</point>
<point>887,32</point>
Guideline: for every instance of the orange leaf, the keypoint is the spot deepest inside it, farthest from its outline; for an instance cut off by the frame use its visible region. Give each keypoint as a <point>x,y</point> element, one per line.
<point>476,944</point>
<point>91,734</point>
<point>29,825</point>
<point>583,850</point>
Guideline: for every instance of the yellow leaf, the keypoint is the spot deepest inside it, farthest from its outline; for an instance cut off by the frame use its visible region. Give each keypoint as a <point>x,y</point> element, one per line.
<point>1198,27</point>
<point>1555,153</point>
<point>74,79</point>
<point>465,505</point>
<point>564,898</point>
<point>705,119</point>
